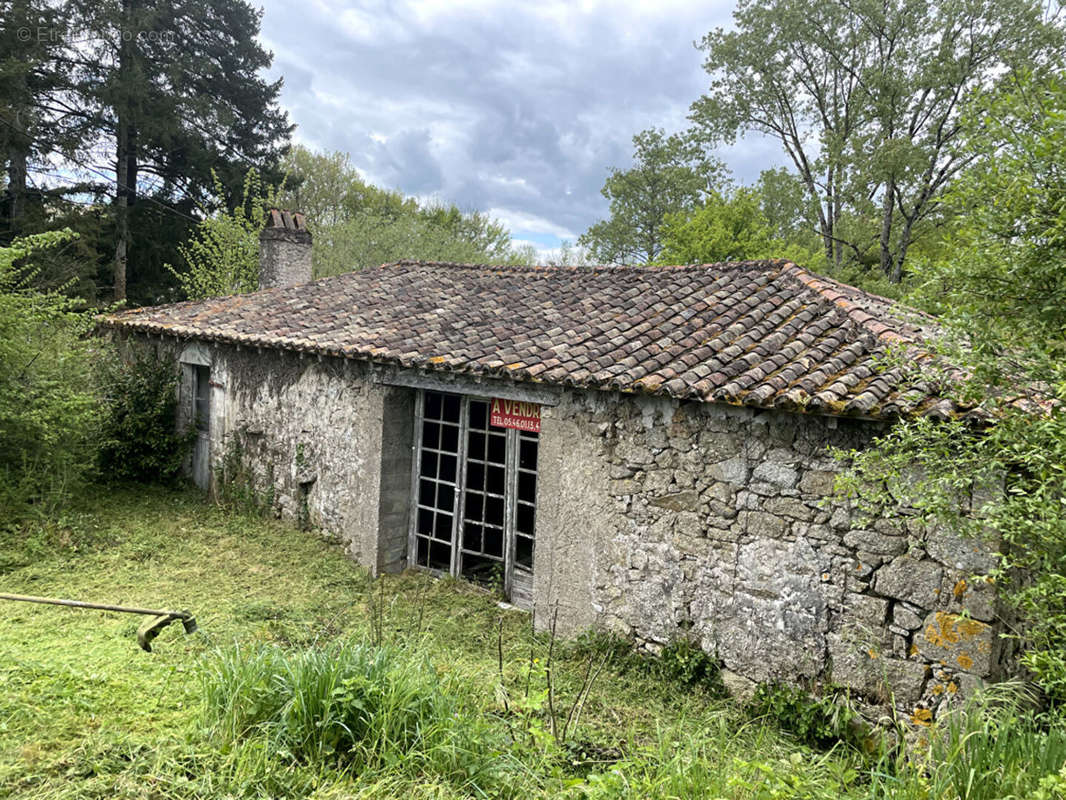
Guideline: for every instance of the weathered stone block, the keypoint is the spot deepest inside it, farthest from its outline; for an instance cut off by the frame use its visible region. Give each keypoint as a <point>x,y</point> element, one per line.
<point>866,609</point>
<point>679,501</point>
<point>733,470</point>
<point>783,476</point>
<point>906,617</point>
<point>909,579</point>
<point>957,642</point>
<point>789,507</point>
<point>739,688</point>
<point>975,596</point>
<point>657,481</point>
<point>722,492</point>
<point>964,554</point>
<point>866,669</point>
<point>626,486</point>
<point>759,523</point>
<point>817,482</point>
<point>631,453</point>
<point>718,447</point>
<point>874,542</point>
<point>773,622</point>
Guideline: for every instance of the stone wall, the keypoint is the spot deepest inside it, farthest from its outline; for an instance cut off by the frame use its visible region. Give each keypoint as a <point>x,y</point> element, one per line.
<point>322,444</point>
<point>656,519</point>
<point>716,523</point>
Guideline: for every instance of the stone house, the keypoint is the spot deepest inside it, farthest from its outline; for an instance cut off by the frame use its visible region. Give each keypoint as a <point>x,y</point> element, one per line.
<point>642,449</point>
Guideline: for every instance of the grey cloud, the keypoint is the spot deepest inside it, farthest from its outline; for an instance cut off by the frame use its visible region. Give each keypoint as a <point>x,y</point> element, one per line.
<point>498,107</point>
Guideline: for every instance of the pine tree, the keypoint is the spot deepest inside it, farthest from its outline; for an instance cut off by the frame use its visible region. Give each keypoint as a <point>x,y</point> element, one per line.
<point>176,91</point>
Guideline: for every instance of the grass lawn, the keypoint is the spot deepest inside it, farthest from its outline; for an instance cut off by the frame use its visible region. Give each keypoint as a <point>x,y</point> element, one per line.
<point>84,713</point>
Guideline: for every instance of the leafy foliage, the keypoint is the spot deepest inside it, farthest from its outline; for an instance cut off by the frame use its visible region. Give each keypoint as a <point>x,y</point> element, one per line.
<point>47,397</point>
<point>357,225</point>
<point>222,256</point>
<point>818,721</point>
<point>687,664</point>
<point>347,703</point>
<point>866,100</point>
<point>727,227</point>
<point>140,440</point>
<point>1003,298</point>
<point>670,174</point>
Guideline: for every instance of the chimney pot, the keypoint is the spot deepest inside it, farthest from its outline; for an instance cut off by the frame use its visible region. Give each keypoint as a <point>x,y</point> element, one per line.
<point>284,250</point>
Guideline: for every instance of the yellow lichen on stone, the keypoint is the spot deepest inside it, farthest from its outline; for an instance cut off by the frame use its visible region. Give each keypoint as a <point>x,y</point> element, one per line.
<point>960,589</point>
<point>964,661</point>
<point>953,687</point>
<point>948,629</point>
<point>922,716</point>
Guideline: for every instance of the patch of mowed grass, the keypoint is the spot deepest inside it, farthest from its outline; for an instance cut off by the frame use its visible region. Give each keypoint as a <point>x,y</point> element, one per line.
<point>84,713</point>
<point>298,648</point>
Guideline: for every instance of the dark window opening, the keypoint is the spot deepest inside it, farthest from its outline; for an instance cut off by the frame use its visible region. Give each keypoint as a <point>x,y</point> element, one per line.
<point>202,408</point>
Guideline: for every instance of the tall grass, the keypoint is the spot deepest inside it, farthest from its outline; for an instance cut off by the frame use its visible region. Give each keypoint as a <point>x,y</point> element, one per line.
<point>995,747</point>
<point>350,706</point>
<point>715,759</point>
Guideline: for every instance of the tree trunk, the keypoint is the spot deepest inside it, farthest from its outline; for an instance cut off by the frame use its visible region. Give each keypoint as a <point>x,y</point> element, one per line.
<point>125,155</point>
<point>888,206</point>
<point>18,140</point>
<point>896,275</point>
<point>16,184</point>
<point>122,211</point>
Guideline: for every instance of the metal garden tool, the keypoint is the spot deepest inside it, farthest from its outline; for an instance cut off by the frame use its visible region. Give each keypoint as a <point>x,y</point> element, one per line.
<point>159,618</point>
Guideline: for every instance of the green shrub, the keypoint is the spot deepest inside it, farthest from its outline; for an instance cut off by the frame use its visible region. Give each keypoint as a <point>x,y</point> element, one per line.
<point>141,441</point>
<point>687,664</point>
<point>348,705</point>
<point>681,662</point>
<point>48,406</point>
<point>715,759</point>
<point>817,721</point>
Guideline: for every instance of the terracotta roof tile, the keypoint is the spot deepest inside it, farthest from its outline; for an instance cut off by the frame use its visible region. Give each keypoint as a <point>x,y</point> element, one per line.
<point>764,333</point>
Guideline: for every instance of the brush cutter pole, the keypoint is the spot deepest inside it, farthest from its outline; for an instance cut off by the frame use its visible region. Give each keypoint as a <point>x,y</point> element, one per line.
<point>160,618</point>
<point>155,612</point>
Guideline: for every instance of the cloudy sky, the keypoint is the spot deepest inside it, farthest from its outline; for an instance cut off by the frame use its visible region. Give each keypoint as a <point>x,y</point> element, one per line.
<point>517,109</point>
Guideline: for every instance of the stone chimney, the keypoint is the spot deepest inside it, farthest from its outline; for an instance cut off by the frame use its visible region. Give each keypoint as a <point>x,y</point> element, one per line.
<point>284,250</point>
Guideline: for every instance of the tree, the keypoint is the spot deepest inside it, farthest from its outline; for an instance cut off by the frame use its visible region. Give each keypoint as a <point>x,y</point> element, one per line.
<point>356,224</point>
<point>866,99</point>
<point>175,87</point>
<point>1002,292</point>
<point>669,175</point>
<point>222,255</point>
<point>32,77</point>
<point>317,185</point>
<point>727,227</point>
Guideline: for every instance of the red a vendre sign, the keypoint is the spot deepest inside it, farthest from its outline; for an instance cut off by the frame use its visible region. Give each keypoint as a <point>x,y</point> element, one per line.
<point>515,414</point>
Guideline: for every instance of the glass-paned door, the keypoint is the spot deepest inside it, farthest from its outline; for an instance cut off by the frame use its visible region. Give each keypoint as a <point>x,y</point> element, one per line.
<point>438,471</point>
<point>475,494</point>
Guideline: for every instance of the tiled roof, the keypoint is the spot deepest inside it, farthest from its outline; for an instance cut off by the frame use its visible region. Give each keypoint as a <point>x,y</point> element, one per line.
<point>762,333</point>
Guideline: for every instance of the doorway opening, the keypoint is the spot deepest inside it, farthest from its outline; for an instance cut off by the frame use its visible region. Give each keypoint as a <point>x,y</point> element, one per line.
<point>475,487</point>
